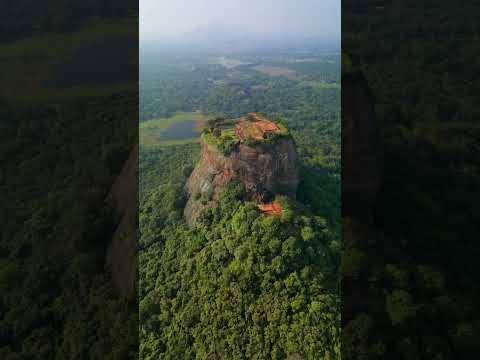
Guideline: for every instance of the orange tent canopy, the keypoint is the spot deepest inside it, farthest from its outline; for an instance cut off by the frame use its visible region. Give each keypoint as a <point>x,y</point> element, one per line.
<point>271,208</point>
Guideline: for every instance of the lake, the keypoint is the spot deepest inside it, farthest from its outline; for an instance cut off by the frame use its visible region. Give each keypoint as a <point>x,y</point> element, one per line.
<point>185,129</point>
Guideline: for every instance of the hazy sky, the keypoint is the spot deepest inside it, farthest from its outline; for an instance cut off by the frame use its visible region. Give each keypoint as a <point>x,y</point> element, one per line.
<point>164,19</point>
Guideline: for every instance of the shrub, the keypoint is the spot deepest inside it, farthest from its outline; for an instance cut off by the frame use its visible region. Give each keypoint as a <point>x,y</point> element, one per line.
<point>399,306</point>
<point>226,145</point>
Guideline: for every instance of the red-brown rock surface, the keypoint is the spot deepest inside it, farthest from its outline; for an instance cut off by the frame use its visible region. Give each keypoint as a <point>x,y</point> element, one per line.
<point>265,169</point>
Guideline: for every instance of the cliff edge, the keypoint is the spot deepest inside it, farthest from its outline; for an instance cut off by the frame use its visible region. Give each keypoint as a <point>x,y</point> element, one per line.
<point>122,250</point>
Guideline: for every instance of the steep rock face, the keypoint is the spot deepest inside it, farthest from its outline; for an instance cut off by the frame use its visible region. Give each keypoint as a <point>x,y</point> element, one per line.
<point>122,250</point>
<point>265,169</point>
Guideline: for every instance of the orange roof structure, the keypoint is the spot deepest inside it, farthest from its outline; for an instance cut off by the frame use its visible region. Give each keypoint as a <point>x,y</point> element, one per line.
<point>254,129</point>
<point>271,208</point>
<point>265,125</point>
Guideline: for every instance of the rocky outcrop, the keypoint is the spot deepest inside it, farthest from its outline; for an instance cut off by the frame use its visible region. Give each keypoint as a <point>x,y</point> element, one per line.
<point>265,169</point>
<point>122,251</point>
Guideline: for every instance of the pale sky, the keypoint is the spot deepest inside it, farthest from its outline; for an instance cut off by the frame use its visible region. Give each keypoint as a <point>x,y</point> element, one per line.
<point>167,19</point>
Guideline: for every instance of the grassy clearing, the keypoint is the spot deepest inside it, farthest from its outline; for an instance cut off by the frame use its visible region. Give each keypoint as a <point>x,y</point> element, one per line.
<point>278,71</point>
<point>150,130</point>
<point>164,123</point>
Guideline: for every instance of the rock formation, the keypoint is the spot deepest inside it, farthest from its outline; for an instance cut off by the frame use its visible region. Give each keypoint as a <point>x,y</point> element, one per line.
<point>122,250</point>
<point>265,168</point>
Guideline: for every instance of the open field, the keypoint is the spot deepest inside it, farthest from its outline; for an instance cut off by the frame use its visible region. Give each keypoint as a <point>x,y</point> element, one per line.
<point>278,71</point>
<point>229,63</point>
<point>174,130</point>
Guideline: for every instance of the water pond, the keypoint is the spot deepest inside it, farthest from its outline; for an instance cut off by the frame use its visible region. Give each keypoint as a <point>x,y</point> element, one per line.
<point>185,129</point>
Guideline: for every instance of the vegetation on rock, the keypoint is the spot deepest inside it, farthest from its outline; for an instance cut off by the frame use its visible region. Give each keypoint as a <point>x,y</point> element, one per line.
<point>238,283</point>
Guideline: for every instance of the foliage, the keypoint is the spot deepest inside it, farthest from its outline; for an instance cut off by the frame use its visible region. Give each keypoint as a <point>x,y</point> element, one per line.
<point>428,124</point>
<point>224,140</point>
<point>399,306</point>
<point>240,284</point>
<point>56,299</point>
<point>168,86</point>
<point>359,340</point>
